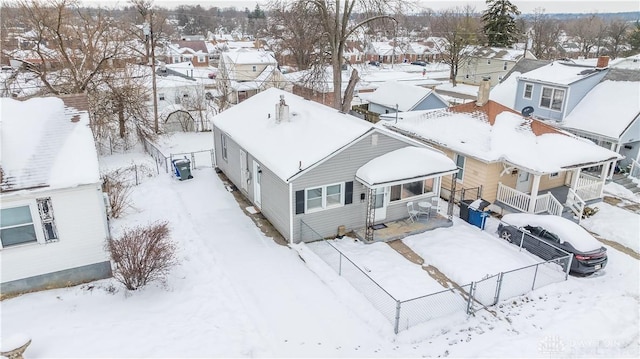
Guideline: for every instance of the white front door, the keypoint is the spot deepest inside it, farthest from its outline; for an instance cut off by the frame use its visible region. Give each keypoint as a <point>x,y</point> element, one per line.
<point>524,181</point>
<point>257,178</point>
<point>380,204</point>
<point>244,170</point>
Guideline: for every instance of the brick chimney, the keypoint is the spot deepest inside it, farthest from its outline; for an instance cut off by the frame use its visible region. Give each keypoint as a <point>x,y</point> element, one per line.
<point>282,110</point>
<point>483,92</point>
<point>603,62</point>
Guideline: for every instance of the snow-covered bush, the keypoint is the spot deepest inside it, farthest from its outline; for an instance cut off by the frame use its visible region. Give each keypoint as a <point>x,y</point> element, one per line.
<point>143,254</point>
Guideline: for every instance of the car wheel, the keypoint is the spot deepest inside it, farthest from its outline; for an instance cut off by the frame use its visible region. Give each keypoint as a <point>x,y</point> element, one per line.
<point>506,235</point>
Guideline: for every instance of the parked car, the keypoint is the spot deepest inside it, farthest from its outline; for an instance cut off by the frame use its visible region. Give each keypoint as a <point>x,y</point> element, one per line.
<point>419,63</point>
<point>374,63</point>
<point>561,234</point>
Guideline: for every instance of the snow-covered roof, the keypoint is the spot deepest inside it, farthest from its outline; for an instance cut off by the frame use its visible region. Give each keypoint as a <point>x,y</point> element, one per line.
<point>494,133</point>
<point>607,110</point>
<point>504,93</point>
<point>408,163</point>
<point>312,132</point>
<point>247,56</point>
<point>394,93</point>
<point>560,73</point>
<point>498,53</point>
<point>46,142</point>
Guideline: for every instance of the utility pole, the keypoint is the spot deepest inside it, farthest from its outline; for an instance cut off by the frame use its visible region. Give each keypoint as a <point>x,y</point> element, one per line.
<point>153,70</point>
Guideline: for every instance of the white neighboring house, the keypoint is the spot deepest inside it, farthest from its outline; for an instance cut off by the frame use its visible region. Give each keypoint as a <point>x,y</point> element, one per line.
<point>53,222</point>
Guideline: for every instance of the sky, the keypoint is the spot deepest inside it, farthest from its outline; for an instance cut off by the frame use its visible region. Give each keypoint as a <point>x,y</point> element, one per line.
<point>236,293</point>
<point>568,6</point>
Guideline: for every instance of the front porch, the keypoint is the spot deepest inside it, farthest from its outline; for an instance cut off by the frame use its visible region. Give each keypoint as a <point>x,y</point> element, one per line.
<point>392,230</point>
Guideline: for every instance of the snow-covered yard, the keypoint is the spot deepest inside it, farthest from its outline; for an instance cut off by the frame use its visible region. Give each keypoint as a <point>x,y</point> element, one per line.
<point>237,293</point>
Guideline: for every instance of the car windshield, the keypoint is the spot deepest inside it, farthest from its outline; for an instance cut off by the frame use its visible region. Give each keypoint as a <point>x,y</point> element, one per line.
<point>541,232</point>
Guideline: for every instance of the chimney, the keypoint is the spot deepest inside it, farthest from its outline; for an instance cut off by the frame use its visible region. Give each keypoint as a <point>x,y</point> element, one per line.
<point>603,62</point>
<point>282,110</point>
<point>483,92</point>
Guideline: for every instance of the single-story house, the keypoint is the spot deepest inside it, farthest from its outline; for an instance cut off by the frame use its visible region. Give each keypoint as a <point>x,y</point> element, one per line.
<point>520,163</point>
<point>311,169</point>
<point>395,96</point>
<point>53,222</point>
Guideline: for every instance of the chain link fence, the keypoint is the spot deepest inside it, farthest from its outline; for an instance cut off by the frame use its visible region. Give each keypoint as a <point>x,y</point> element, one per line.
<point>468,298</point>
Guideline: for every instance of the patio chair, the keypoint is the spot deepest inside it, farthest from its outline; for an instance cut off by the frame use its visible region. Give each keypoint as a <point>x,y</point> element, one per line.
<point>413,213</point>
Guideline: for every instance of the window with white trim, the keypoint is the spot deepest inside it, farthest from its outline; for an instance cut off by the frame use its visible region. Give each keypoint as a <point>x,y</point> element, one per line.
<point>254,68</point>
<point>554,174</point>
<point>223,146</point>
<point>17,226</point>
<point>528,91</point>
<point>552,98</point>
<point>200,58</point>
<point>410,190</point>
<point>460,161</point>
<point>324,197</point>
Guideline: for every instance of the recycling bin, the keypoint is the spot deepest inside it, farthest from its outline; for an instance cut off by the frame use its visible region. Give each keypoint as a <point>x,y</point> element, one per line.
<point>477,214</point>
<point>182,168</point>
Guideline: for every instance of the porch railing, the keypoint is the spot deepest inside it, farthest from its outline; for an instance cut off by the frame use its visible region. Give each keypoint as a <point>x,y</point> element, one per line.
<point>513,198</point>
<point>575,203</point>
<point>520,201</point>
<point>548,203</point>
<point>589,187</point>
<point>634,170</point>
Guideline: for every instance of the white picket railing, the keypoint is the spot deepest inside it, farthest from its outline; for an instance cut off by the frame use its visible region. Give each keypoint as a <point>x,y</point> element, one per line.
<point>548,203</point>
<point>575,203</point>
<point>513,198</point>
<point>589,187</point>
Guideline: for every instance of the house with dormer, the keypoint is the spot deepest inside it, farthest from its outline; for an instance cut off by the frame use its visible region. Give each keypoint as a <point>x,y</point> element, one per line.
<point>521,164</point>
<point>53,221</point>
<point>195,51</point>
<point>493,63</point>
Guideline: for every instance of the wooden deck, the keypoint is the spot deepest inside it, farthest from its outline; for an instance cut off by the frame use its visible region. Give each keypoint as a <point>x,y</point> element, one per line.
<point>402,228</point>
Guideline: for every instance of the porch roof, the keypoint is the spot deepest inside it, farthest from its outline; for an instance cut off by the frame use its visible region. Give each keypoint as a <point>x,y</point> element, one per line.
<point>404,165</point>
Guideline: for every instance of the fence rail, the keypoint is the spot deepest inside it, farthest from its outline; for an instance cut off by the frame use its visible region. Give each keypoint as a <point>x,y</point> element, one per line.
<point>468,298</point>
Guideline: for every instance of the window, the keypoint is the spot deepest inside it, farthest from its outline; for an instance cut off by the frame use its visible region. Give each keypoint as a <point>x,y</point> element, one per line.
<point>254,68</point>
<point>552,98</point>
<point>16,226</point>
<point>528,91</point>
<point>200,58</point>
<point>223,145</point>
<point>554,174</point>
<point>411,189</point>
<point>324,197</point>
<point>161,96</point>
<point>504,66</point>
<point>176,59</point>
<point>488,61</point>
<point>460,160</point>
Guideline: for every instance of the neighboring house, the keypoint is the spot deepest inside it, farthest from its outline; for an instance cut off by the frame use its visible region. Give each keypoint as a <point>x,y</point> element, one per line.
<point>505,92</point>
<point>629,63</point>
<point>554,90</point>
<point>519,163</point>
<point>243,73</point>
<point>609,114</point>
<point>53,223</point>
<point>395,96</point>
<point>488,62</point>
<point>195,51</point>
<point>312,169</point>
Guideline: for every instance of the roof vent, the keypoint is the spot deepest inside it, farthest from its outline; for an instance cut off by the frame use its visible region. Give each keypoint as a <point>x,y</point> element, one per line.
<point>282,110</point>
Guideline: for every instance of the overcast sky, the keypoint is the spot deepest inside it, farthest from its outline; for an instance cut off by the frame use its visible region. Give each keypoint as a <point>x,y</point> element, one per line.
<point>550,6</point>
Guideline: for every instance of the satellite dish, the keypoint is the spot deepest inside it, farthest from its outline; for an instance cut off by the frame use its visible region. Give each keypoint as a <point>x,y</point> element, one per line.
<point>527,111</point>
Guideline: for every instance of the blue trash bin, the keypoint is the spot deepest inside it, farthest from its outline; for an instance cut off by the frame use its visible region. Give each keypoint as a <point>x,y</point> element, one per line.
<point>478,218</point>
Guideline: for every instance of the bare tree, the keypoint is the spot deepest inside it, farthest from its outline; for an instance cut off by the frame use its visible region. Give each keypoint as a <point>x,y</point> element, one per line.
<point>587,32</point>
<point>618,33</point>
<point>459,27</point>
<point>544,34</point>
<point>335,19</point>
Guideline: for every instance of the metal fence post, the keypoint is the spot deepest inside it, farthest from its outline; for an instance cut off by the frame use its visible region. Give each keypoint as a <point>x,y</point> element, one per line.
<point>533,285</point>
<point>213,159</point>
<point>340,265</point>
<point>521,240</point>
<point>566,276</point>
<point>135,168</point>
<point>472,289</point>
<point>397,324</point>
<point>496,298</point>
<point>193,160</point>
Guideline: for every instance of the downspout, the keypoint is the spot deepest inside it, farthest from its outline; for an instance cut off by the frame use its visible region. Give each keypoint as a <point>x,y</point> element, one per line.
<point>290,213</point>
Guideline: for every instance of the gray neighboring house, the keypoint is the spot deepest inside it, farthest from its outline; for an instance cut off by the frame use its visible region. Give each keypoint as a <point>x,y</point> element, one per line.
<point>394,96</point>
<point>296,160</point>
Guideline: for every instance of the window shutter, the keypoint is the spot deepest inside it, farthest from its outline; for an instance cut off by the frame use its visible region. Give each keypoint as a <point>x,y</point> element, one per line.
<point>300,202</point>
<point>348,193</point>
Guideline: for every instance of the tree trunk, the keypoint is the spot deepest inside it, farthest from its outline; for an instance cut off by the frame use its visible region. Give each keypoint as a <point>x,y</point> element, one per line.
<point>348,92</point>
<point>121,120</point>
<point>337,80</point>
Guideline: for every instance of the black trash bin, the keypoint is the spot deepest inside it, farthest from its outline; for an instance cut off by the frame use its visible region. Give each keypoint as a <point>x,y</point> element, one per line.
<point>464,209</point>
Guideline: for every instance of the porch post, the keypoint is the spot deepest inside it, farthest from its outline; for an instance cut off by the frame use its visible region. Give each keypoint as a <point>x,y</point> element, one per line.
<point>534,193</point>
<point>452,196</point>
<point>575,175</point>
<point>603,176</point>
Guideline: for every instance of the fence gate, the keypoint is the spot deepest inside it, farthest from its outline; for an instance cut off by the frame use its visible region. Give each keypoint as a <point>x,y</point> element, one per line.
<point>484,293</point>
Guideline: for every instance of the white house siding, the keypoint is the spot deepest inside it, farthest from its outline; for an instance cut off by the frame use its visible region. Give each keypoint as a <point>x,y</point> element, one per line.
<point>340,169</point>
<point>80,219</point>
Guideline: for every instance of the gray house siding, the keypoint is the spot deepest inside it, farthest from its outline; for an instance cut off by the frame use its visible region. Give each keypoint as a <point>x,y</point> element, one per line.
<point>341,169</point>
<point>274,197</point>
<point>573,94</point>
<point>432,102</point>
